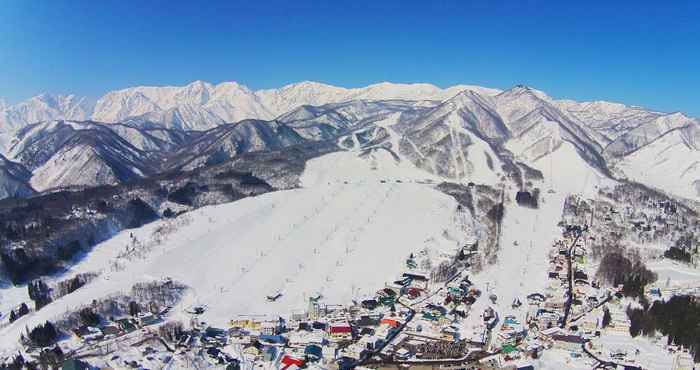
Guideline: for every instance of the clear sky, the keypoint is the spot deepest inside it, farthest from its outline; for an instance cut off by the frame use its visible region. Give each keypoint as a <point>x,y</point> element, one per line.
<point>637,52</point>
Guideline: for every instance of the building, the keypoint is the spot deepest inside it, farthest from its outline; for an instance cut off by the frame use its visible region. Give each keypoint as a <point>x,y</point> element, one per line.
<point>368,320</point>
<point>313,351</point>
<point>111,330</point>
<point>390,322</point>
<point>126,325</point>
<point>573,343</point>
<point>246,324</point>
<point>288,362</point>
<point>88,333</point>
<point>73,364</point>
<point>340,331</point>
<point>146,318</point>
<point>268,328</point>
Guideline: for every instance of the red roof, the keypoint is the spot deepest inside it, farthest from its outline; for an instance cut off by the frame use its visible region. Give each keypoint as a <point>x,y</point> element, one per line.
<point>390,322</point>
<point>340,329</point>
<point>288,361</point>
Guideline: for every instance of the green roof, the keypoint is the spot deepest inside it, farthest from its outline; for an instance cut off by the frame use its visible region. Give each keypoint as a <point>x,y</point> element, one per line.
<point>73,364</point>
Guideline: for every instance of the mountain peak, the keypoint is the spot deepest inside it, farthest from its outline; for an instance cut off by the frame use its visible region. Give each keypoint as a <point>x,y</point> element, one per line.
<point>520,90</point>
<point>198,85</point>
<point>231,87</point>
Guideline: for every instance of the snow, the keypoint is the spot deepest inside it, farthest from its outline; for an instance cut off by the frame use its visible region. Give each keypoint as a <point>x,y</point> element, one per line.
<point>675,274</point>
<point>528,234</point>
<point>668,163</point>
<point>340,240</point>
<point>651,355</point>
<point>563,165</point>
<point>201,105</point>
<point>43,108</point>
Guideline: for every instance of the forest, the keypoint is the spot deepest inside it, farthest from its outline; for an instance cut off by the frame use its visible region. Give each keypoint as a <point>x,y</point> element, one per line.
<point>618,269</point>
<point>678,318</point>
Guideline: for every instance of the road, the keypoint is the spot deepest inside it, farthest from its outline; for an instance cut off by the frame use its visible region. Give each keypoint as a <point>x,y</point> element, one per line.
<point>570,278</point>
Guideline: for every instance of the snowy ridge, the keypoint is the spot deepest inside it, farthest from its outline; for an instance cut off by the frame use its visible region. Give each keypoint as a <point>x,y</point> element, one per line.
<point>65,153</point>
<point>453,132</point>
<point>202,105</point>
<point>14,179</point>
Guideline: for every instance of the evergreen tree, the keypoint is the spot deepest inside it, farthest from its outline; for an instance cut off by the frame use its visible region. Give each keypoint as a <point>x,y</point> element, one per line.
<point>39,292</point>
<point>134,308</point>
<point>43,335</point>
<point>23,309</point>
<point>606,317</point>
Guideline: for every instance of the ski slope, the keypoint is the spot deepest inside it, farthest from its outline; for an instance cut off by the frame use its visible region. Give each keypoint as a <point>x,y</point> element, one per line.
<point>342,235</point>
<point>527,235</point>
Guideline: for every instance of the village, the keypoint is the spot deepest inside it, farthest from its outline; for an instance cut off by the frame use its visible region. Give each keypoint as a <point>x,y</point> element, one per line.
<point>424,318</point>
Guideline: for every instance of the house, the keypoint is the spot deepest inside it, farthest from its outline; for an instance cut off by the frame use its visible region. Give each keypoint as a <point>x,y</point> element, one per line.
<point>340,331</point>
<point>111,330</point>
<point>268,328</point>
<point>146,318</point>
<point>234,365</point>
<point>450,333</point>
<point>536,298</point>
<point>546,334</point>
<point>413,292</point>
<point>619,326</point>
<point>416,276</point>
<point>390,322</point>
<point>368,320</point>
<point>573,343</point>
<point>313,351</point>
<point>269,353</point>
<point>403,354</point>
<point>386,301</point>
<point>317,325</point>
<point>251,351</point>
<point>272,340</point>
<point>388,292</point>
<point>126,325</point>
<point>88,333</point>
<point>370,304</point>
<point>547,319</point>
<point>288,361</point>
<point>73,364</point>
<point>554,305</point>
<point>246,324</point>
<point>478,336</point>
<point>589,326</point>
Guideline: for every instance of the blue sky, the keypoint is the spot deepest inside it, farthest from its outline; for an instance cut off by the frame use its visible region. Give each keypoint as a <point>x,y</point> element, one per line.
<point>637,52</point>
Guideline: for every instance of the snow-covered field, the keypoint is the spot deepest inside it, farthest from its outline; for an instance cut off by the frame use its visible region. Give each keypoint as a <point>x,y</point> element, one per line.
<point>342,235</point>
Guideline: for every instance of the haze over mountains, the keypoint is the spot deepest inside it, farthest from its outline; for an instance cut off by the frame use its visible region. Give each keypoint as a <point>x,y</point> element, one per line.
<point>468,133</point>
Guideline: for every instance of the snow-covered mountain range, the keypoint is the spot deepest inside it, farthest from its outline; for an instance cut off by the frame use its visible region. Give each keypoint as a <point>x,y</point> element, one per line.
<point>312,190</point>
<point>461,132</point>
<point>201,105</point>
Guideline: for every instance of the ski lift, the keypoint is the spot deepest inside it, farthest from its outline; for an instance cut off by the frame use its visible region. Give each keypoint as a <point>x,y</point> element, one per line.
<point>516,303</point>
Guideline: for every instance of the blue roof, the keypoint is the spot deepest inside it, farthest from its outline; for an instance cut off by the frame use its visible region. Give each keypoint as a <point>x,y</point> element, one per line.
<point>313,349</point>
<point>272,338</point>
